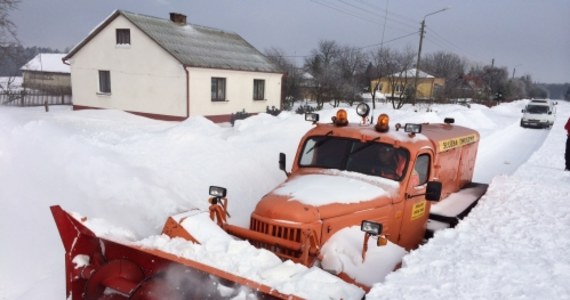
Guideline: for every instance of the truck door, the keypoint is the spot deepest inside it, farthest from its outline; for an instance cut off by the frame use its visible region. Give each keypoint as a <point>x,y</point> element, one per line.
<point>416,208</point>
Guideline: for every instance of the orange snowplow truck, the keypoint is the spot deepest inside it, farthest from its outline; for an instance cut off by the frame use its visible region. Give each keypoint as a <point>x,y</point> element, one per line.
<point>412,166</point>
<point>399,183</point>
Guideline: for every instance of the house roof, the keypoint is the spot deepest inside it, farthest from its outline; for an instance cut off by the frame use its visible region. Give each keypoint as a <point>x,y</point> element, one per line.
<point>47,62</point>
<point>412,73</point>
<point>194,45</point>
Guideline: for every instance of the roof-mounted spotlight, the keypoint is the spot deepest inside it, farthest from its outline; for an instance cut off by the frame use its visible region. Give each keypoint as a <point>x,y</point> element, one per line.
<point>363,110</point>
<point>312,117</point>
<point>412,129</point>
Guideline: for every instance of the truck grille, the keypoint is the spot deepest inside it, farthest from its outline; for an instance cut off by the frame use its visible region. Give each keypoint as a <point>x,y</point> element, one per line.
<point>279,231</point>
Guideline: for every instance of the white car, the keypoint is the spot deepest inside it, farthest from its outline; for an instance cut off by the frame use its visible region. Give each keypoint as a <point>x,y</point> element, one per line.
<point>539,113</point>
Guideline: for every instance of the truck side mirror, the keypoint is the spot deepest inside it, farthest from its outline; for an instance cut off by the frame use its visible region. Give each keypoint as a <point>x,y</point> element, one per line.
<point>433,191</point>
<point>282,163</point>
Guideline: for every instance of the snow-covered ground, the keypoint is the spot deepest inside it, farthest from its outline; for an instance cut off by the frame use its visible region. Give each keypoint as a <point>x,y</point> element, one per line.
<point>134,172</point>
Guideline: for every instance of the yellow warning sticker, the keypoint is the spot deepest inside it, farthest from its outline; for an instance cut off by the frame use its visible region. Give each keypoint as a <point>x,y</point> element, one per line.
<point>456,142</point>
<point>418,210</point>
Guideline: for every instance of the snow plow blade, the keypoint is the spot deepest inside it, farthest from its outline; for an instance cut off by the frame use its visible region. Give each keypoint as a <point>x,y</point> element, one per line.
<point>98,268</point>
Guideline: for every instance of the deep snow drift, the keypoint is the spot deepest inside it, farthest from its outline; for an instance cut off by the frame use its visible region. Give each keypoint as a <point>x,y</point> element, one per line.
<point>134,172</point>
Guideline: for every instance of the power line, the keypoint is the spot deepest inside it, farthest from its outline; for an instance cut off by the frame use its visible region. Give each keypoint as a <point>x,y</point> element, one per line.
<point>362,47</point>
<point>389,41</point>
<point>343,11</point>
<point>386,17</point>
<point>400,17</point>
<point>440,41</point>
<point>406,26</point>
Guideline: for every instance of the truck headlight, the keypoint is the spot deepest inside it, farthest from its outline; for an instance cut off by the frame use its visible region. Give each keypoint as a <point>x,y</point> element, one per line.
<point>371,228</point>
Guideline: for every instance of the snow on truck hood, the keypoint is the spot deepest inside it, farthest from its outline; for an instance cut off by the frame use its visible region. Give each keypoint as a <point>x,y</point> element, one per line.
<point>335,186</point>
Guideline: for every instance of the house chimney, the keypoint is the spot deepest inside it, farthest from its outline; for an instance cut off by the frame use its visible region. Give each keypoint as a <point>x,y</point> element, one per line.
<point>177,18</point>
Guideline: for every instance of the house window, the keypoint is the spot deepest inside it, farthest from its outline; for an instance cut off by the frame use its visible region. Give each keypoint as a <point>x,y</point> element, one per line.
<point>123,36</point>
<point>105,82</point>
<point>258,89</point>
<point>218,89</point>
<point>398,88</point>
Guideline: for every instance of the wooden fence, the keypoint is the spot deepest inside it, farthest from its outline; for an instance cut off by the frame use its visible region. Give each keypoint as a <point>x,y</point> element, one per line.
<point>33,98</point>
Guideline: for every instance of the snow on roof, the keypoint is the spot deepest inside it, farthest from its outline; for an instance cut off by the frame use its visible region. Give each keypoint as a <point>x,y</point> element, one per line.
<point>47,62</point>
<point>412,73</point>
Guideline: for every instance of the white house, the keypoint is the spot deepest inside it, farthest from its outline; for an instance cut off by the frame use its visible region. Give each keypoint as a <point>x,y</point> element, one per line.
<point>46,71</point>
<point>170,70</point>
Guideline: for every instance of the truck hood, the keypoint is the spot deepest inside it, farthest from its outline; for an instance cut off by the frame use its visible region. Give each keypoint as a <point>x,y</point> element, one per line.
<point>306,198</point>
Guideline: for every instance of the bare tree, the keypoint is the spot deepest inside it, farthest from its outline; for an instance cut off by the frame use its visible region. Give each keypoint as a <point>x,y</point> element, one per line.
<point>401,79</point>
<point>448,66</point>
<point>516,89</point>
<point>381,65</point>
<point>321,65</point>
<point>351,63</point>
<point>8,37</point>
<point>292,76</point>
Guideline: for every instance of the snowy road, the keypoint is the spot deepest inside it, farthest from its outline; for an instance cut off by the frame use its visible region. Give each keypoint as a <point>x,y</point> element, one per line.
<point>495,156</point>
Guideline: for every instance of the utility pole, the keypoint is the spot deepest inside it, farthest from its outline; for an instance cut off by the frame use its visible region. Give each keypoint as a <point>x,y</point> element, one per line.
<point>514,69</point>
<point>422,33</point>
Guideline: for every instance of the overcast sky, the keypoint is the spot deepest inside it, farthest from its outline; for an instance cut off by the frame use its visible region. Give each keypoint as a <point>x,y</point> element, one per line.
<point>526,36</point>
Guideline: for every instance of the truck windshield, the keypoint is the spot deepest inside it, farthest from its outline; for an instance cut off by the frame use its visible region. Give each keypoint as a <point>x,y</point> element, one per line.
<point>537,109</point>
<point>371,158</point>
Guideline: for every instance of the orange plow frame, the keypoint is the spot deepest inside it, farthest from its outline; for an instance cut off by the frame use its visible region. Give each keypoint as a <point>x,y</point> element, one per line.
<point>119,271</point>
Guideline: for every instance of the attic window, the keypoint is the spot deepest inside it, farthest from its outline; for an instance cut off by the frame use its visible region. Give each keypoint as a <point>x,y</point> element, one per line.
<point>123,36</point>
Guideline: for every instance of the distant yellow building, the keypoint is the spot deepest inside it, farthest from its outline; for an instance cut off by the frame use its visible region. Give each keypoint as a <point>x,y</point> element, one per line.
<point>396,84</point>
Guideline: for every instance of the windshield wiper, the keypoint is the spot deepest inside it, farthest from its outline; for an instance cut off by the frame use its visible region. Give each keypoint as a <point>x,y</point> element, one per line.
<point>328,136</point>
<point>369,143</point>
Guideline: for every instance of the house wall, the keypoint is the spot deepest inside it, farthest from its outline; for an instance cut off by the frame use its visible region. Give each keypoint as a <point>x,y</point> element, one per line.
<point>47,81</point>
<point>144,77</point>
<point>239,92</point>
<point>425,88</point>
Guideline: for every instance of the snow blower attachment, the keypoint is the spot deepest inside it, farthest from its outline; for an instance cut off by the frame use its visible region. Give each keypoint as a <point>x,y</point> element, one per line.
<point>397,184</point>
<point>98,268</point>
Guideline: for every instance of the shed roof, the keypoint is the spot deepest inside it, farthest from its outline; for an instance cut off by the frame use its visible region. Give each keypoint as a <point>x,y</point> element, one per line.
<point>194,45</point>
<point>47,62</point>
